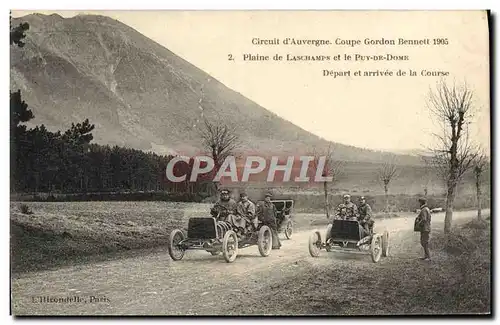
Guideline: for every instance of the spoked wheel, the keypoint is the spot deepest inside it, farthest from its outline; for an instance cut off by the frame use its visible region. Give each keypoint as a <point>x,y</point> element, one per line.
<point>230,246</point>
<point>265,241</point>
<point>327,236</point>
<point>315,243</point>
<point>176,252</point>
<point>376,248</point>
<point>385,244</point>
<point>289,229</point>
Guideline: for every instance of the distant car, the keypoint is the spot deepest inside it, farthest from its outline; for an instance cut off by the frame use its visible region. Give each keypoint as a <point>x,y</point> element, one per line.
<point>284,217</point>
<point>437,210</point>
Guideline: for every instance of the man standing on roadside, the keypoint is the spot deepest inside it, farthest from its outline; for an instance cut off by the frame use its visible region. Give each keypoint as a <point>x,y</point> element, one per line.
<point>423,225</point>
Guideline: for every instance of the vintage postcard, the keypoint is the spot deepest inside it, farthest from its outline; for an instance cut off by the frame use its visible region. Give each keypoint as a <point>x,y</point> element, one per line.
<point>250,163</point>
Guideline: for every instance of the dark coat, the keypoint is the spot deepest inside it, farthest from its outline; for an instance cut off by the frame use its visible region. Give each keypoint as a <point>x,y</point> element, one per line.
<point>347,211</point>
<point>365,212</point>
<point>423,220</point>
<point>266,212</point>
<point>224,208</point>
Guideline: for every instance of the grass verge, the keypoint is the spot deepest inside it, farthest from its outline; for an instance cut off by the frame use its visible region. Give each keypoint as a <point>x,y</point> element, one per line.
<point>42,240</point>
<point>65,235</point>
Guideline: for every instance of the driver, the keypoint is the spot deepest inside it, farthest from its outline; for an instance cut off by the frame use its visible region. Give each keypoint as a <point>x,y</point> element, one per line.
<point>224,206</point>
<point>347,210</point>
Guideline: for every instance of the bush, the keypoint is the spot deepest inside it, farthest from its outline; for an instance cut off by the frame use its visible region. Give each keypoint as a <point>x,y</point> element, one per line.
<point>25,209</point>
<point>464,239</point>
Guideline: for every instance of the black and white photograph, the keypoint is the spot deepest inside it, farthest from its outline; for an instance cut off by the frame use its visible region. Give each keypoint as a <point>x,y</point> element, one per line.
<point>250,163</point>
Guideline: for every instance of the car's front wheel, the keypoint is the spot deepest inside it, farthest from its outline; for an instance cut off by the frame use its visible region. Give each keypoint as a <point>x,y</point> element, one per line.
<point>230,246</point>
<point>175,250</point>
<point>265,241</point>
<point>315,243</point>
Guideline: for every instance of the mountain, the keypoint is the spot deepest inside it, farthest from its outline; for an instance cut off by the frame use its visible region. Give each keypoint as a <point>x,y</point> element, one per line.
<point>139,94</point>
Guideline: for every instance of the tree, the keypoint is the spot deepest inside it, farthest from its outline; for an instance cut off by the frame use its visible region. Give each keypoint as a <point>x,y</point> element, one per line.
<point>221,141</point>
<point>79,134</point>
<point>480,164</point>
<point>19,113</point>
<point>454,154</point>
<point>17,34</point>
<point>218,138</point>
<point>386,173</point>
<point>77,140</point>
<point>332,168</point>
<point>428,173</point>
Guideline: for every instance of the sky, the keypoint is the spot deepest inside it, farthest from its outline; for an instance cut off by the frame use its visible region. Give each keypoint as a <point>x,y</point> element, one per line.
<point>387,113</point>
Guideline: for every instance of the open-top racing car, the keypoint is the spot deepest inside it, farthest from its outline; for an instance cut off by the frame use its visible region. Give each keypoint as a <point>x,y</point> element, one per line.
<point>348,235</point>
<point>284,216</point>
<point>214,236</point>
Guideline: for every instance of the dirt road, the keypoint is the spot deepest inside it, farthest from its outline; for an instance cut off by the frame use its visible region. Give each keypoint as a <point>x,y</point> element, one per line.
<point>153,284</point>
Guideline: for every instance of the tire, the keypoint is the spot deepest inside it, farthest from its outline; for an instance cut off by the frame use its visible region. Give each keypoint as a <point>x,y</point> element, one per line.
<point>376,248</point>
<point>230,246</point>
<point>265,241</point>
<point>289,229</point>
<point>327,236</point>
<point>176,252</point>
<point>385,244</point>
<point>314,240</point>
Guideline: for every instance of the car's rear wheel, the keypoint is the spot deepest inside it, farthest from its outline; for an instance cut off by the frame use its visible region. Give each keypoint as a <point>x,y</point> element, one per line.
<point>175,251</point>
<point>376,248</point>
<point>289,229</point>
<point>265,241</point>
<point>315,243</point>
<point>230,246</point>
<point>385,244</point>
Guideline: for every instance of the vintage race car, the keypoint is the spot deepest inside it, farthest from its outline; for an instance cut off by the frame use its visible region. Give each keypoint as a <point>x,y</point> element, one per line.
<point>347,235</point>
<point>216,236</point>
<point>284,216</point>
